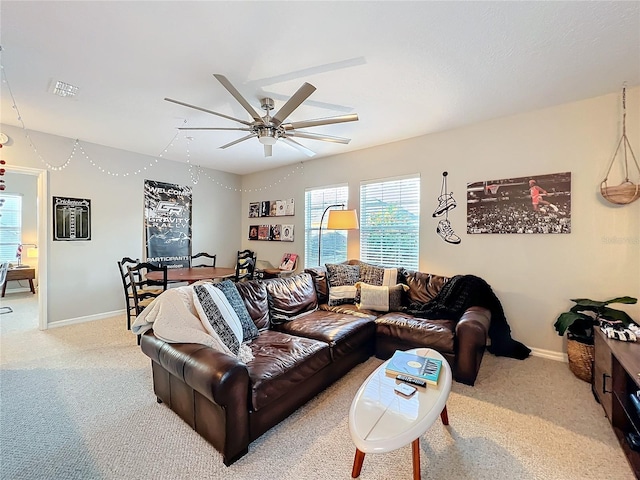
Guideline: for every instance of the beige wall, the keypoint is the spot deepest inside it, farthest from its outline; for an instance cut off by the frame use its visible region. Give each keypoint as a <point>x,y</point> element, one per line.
<point>533,275</point>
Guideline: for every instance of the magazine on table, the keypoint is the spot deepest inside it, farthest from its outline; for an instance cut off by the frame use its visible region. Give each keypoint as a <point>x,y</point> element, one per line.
<point>423,368</point>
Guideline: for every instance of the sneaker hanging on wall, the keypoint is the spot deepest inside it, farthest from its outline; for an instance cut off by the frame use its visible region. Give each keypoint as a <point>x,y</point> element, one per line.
<point>445,203</point>
<point>446,232</point>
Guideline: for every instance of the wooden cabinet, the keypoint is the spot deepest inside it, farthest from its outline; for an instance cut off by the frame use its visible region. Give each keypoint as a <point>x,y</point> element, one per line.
<point>616,376</point>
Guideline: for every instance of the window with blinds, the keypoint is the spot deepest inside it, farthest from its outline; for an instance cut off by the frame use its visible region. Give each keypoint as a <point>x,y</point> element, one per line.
<point>390,222</point>
<point>334,242</point>
<point>10,226</point>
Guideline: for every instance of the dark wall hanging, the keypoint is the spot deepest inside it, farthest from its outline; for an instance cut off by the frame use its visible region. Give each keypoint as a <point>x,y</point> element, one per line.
<point>167,223</point>
<point>446,202</point>
<point>71,219</point>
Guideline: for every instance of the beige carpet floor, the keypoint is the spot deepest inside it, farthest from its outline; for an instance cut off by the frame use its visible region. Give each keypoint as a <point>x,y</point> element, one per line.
<point>76,402</point>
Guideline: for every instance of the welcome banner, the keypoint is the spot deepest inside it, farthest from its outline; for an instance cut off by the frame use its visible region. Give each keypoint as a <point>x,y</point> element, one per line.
<point>167,223</point>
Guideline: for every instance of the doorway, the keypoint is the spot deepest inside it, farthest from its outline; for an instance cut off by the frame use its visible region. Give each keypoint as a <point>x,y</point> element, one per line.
<point>42,220</point>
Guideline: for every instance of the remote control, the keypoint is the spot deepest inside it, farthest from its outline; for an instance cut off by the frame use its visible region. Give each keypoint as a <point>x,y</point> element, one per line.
<point>412,380</point>
<point>404,389</point>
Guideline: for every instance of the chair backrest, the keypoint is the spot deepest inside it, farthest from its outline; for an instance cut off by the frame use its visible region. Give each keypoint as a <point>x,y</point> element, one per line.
<point>124,273</point>
<point>245,265</point>
<point>144,289</point>
<point>3,273</point>
<point>203,255</point>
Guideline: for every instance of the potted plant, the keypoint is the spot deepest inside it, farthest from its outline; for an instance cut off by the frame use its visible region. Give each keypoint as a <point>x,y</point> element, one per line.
<point>578,323</point>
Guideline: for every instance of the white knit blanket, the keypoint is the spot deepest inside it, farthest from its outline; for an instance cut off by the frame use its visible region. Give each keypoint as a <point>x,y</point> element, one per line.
<point>174,319</point>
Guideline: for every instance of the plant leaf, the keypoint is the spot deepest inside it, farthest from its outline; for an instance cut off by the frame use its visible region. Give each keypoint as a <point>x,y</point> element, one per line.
<point>566,319</point>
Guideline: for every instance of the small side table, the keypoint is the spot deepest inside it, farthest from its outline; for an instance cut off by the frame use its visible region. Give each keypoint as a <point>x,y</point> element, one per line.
<point>20,274</point>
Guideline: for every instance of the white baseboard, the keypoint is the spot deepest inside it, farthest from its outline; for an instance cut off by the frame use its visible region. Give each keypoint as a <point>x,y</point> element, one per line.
<point>551,355</point>
<point>88,318</point>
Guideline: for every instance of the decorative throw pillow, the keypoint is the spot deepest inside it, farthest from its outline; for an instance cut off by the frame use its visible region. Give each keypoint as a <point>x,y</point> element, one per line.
<point>214,309</point>
<point>371,275</point>
<point>229,289</point>
<point>342,279</point>
<point>374,275</point>
<point>380,298</point>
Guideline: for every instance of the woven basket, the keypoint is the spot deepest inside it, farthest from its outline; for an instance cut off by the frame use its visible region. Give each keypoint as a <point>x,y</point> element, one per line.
<point>580,359</point>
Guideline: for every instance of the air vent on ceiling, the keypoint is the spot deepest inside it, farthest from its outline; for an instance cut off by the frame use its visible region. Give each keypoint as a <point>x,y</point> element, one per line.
<point>63,89</point>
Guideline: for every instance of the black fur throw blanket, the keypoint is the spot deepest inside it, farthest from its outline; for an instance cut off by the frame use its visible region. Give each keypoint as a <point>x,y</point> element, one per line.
<point>462,292</point>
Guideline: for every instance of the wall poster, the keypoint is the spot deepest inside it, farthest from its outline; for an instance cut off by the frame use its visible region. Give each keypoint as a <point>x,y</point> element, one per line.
<point>533,204</point>
<point>167,223</point>
<point>71,219</point>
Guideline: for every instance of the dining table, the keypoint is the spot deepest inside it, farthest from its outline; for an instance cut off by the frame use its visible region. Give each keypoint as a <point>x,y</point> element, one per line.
<point>193,274</point>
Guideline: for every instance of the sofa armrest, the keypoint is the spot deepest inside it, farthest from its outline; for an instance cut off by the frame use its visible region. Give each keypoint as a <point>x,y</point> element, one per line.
<point>221,378</point>
<point>471,338</point>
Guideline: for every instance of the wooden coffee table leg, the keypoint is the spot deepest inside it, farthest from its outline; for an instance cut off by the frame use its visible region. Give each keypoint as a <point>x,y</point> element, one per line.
<point>444,416</point>
<point>357,464</point>
<point>415,450</point>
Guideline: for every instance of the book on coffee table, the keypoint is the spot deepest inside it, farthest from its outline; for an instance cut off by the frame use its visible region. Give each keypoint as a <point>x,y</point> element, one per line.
<point>423,368</point>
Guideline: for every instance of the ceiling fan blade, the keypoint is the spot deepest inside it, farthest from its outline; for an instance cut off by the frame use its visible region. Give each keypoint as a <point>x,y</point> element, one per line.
<point>294,102</point>
<point>268,150</point>
<point>317,136</point>
<point>296,145</point>
<point>236,94</point>
<point>353,117</point>
<point>239,140</point>
<point>214,128</point>
<point>244,122</point>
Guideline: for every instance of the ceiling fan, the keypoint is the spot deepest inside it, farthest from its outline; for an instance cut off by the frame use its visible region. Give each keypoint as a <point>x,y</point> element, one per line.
<point>269,129</point>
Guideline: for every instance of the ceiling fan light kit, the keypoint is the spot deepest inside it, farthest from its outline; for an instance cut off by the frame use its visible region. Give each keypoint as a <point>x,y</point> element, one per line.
<point>269,129</point>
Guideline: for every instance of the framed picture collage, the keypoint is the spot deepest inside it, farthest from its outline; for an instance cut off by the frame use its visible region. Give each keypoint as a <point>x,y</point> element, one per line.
<point>271,232</point>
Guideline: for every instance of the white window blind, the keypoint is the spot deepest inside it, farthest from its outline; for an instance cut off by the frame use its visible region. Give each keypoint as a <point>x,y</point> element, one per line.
<point>334,242</point>
<point>10,226</point>
<point>390,222</point>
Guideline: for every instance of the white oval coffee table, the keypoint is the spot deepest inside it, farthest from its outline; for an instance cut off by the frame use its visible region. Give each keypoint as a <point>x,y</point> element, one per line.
<point>381,420</point>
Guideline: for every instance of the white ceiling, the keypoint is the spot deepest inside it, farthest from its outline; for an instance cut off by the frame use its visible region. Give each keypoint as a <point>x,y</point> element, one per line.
<point>406,68</point>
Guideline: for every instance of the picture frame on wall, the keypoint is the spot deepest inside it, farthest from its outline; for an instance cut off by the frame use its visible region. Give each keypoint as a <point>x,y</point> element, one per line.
<point>272,208</point>
<point>71,219</point>
<point>254,210</point>
<point>525,205</point>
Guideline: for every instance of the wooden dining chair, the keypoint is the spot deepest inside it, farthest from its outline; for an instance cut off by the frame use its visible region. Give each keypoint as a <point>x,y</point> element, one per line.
<point>145,291</point>
<point>203,255</point>
<point>128,289</point>
<point>245,265</point>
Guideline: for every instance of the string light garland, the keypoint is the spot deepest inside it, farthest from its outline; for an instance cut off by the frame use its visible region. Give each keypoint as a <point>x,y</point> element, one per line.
<point>195,171</point>
<point>14,106</point>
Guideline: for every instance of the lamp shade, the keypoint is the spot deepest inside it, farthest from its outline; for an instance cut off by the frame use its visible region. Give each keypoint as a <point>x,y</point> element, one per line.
<point>342,220</point>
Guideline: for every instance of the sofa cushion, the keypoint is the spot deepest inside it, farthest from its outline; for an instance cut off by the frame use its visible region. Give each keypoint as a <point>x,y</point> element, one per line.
<point>417,332</point>
<point>380,298</point>
<point>423,287</point>
<point>343,333</point>
<point>282,362</point>
<point>350,309</point>
<point>254,294</point>
<point>249,329</point>
<point>290,297</point>
<point>217,316</point>
<point>342,279</point>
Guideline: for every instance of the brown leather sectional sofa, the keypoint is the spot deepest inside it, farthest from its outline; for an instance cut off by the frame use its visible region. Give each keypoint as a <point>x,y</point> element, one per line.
<point>303,347</point>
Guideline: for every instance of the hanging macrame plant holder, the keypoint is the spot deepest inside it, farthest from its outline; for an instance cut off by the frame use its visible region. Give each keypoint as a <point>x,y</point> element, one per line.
<point>628,191</point>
